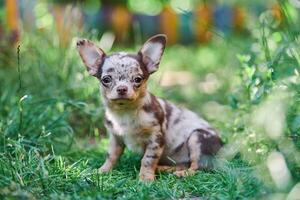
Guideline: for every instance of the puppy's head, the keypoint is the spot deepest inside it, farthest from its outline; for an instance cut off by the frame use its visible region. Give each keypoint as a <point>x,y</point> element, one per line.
<point>122,76</point>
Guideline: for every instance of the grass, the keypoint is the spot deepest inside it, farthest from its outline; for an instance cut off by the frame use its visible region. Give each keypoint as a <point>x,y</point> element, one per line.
<point>52,138</point>
<point>73,176</point>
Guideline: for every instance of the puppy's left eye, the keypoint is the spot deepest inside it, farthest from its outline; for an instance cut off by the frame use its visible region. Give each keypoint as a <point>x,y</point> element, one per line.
<point>106,79</point>
<point>138,79</point>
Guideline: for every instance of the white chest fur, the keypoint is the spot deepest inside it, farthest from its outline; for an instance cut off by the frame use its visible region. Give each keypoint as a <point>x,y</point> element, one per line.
<point>134,128</point>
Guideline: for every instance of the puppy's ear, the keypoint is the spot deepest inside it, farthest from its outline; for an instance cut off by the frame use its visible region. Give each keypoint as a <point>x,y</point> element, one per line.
<point>91,55</point>
<point>152,51</point>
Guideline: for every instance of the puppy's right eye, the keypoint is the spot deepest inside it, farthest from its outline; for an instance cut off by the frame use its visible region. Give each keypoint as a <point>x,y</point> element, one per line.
<point>106,80</point>
<point>138,80</point>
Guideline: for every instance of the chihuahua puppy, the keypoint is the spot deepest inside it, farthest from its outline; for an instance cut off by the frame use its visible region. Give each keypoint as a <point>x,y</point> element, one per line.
<point>170,138</point>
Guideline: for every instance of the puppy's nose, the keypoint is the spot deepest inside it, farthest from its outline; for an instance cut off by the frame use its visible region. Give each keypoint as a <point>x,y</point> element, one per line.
<point>122,90</point>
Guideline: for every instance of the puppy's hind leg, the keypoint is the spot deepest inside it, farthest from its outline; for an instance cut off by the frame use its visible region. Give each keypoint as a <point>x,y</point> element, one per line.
<point>203,144</point>
<point>194,153</point>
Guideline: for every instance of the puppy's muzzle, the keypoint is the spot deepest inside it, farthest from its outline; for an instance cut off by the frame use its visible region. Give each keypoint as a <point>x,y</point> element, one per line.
<point>122,90</point>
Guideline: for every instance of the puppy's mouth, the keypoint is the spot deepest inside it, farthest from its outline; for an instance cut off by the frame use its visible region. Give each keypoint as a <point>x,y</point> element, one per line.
<point>122,100</point>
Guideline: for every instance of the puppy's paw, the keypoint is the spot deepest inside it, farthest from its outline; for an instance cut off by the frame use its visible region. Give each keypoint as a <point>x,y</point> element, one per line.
<point>104,169</point>
<point>183,173</point>
<point>147,176</point>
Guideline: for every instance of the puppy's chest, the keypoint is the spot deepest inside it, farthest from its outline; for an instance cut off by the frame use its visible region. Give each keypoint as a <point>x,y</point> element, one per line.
<point>133,129</point>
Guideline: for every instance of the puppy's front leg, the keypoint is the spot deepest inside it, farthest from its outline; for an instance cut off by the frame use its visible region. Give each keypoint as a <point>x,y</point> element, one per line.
<point>154,150</point>
<point>115,150</point>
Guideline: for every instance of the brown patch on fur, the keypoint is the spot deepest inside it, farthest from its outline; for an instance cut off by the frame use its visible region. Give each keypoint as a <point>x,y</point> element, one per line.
<point>160,141</point>
<point>142,90</point>
<point>210,144</point>
<point>169,109</point>
<point>146,129</point>
<point>147,108</point>
<point>152,156</point>
<point>155,108</point>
